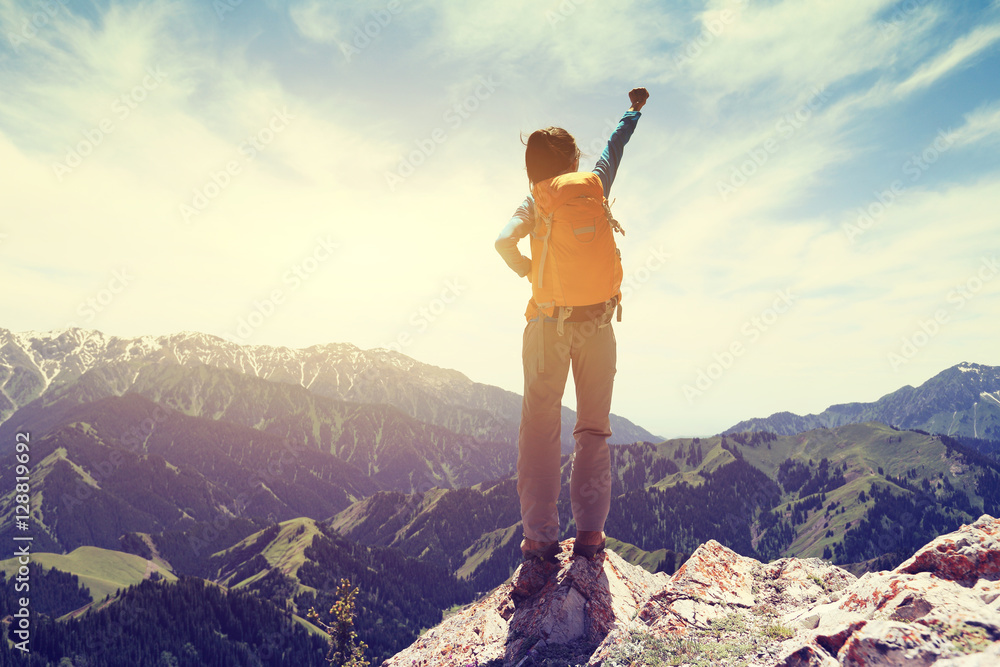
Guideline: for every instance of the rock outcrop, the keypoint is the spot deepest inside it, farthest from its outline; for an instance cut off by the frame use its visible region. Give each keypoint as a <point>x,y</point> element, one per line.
<point>944,602</point>
<point>941,606</point>
<point>581,602</point>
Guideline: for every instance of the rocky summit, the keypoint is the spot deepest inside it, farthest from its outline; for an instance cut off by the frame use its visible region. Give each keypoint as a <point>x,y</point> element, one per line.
<point>941,606</point>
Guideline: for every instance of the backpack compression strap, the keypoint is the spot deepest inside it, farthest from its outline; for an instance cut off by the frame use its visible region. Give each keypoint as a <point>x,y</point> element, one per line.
<point>547,219</point>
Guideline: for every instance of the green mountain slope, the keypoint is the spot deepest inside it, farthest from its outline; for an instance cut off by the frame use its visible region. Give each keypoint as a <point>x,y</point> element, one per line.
<point>103,571</point>
<point>841,494</point>
<point>94,479</point>
<point>297,565</point>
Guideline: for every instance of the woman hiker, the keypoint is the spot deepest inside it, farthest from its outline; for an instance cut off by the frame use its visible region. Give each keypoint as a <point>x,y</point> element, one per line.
<point>575,273</point>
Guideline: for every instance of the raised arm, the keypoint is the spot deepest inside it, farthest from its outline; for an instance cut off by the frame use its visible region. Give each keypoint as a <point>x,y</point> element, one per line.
<point>607,165</point>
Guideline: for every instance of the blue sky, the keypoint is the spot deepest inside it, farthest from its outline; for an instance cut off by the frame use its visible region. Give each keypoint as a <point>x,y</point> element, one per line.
<point>810,197</point>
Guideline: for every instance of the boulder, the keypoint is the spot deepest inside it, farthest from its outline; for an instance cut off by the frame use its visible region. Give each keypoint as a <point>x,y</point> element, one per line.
<point>942,603</point>
<point>578,605</point>
<point>966,556</point>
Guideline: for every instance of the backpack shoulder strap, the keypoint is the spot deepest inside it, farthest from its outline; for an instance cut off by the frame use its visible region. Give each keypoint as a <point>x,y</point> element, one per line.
<point>542,230</point>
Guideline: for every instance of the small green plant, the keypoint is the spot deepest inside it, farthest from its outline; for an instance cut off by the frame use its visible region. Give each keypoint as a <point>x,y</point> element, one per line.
<point>643,649</point>
<point>731,622</point>
<point>819,582</point>
<point>778,631</point>
<point>345,649</point>
<point>452,610</point>
<point>694,650</point>
<point>968,638</point>
<point>764,609</point>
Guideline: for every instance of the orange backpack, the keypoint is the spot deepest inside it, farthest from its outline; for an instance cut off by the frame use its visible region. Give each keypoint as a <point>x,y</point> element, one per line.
<point>574,258</point>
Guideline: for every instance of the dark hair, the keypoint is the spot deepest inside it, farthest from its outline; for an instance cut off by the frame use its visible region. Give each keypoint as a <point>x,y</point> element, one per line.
<point>549,152</point>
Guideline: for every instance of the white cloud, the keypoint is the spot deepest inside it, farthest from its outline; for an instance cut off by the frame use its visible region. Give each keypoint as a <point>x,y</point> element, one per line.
<point>791,45</point>
<point>318,20</point>
<point>344,22</point>
<point>959,54</point>
<point>557,47</point>
<point>981,126</point>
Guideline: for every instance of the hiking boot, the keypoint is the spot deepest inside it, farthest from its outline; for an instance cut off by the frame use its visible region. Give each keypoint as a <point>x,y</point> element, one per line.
<point>530,578</point>
<point>547,552</point>
<point>588,551</point>
<point>538,567</point>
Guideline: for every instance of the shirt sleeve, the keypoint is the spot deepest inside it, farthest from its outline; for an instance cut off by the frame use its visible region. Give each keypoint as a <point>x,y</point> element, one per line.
<point>607,164</point>
<point>518,227</point>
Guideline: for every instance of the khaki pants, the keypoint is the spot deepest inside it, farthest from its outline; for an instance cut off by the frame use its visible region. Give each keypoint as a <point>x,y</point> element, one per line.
<point>591,350</point>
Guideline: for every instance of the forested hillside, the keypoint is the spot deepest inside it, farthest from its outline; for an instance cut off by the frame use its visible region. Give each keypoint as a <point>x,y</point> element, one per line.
<point>189,623</point>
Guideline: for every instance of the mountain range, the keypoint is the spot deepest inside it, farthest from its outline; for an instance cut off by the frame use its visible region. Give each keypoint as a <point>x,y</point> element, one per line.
<point>33,365</point>
<point>271,473</point>
<point>963,400</point>
<point>864,496</point>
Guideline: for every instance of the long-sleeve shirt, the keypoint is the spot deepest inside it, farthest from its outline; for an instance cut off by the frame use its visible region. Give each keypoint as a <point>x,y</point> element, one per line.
<point>521,223</point>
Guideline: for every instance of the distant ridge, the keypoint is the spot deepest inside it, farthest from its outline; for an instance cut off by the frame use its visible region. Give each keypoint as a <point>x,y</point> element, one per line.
<point>963,400</point>
<point>32,364</point>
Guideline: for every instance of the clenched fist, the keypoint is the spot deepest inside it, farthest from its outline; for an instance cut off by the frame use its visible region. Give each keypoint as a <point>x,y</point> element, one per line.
<point>638,97</point>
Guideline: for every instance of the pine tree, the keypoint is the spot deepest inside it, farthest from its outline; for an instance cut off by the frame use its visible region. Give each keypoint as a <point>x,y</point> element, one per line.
<point>345,649</point>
